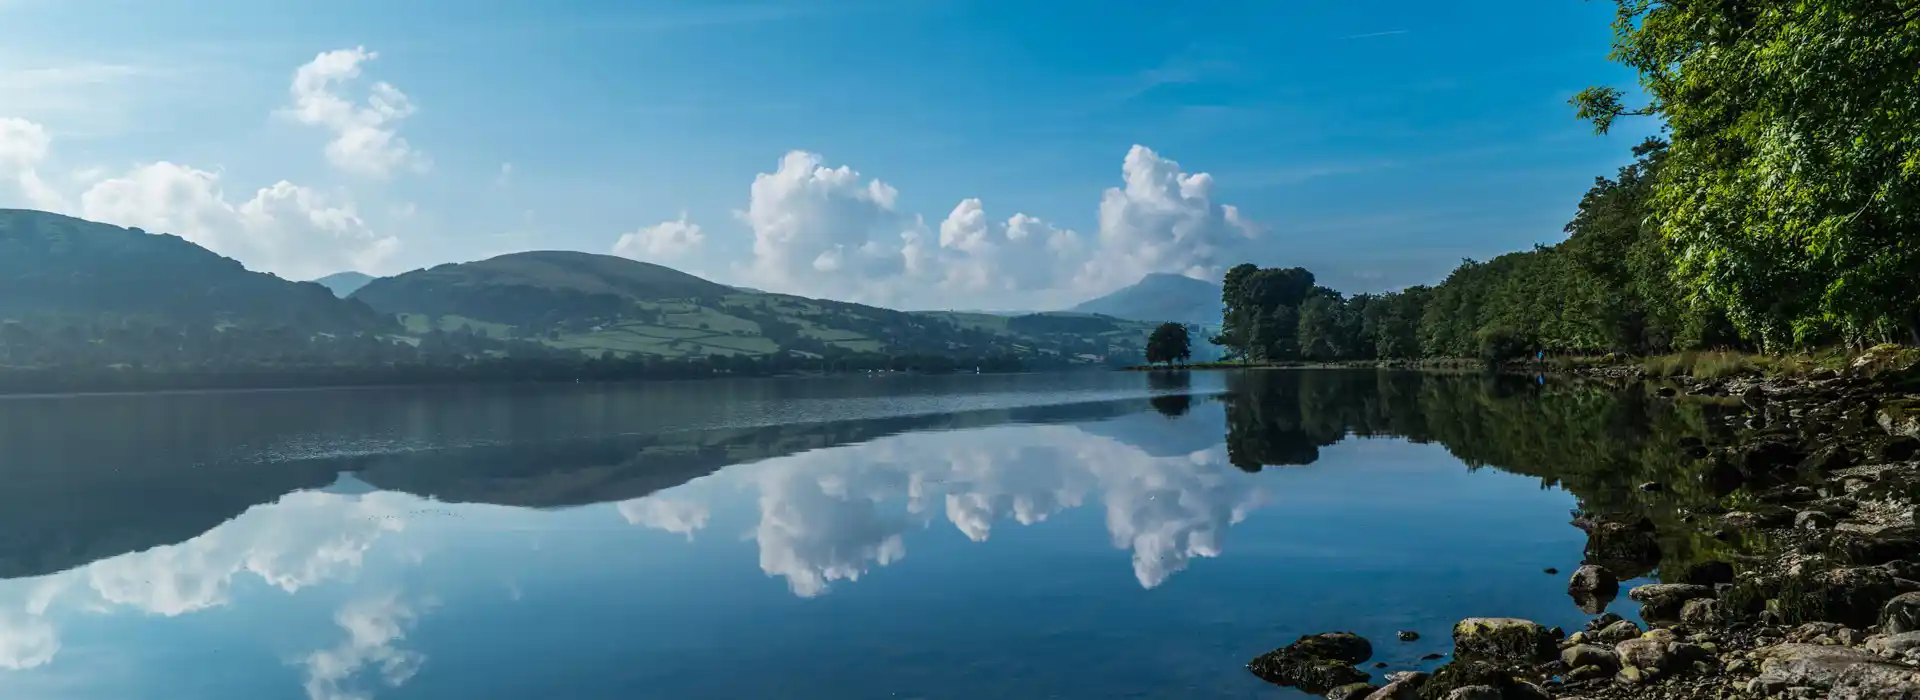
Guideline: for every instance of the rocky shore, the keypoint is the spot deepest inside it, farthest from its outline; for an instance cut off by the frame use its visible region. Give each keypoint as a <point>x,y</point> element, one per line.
<point>1816,593</point>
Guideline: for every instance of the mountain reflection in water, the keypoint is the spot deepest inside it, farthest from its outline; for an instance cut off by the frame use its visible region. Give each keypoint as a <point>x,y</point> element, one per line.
<point>380,513</point>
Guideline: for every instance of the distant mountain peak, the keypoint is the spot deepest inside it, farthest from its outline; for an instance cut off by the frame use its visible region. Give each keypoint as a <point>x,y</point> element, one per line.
<point>1160,297</point>
<point>344,284</point>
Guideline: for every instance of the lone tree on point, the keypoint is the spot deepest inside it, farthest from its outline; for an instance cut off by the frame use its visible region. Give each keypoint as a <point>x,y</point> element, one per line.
<point>1169,343</point>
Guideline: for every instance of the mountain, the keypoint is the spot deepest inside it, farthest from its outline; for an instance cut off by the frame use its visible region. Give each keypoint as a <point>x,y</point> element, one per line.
<point>344,284</point>
<point>92,307</point>
<point>538,288</point>
<point>66,271</point>
<point>607,305</point>
<point>1160,297</point>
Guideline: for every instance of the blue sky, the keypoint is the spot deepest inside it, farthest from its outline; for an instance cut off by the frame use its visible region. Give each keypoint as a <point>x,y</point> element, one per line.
<point>1377,142</point>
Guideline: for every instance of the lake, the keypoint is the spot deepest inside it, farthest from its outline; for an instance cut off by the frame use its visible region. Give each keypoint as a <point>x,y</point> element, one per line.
<point>1093,535</point>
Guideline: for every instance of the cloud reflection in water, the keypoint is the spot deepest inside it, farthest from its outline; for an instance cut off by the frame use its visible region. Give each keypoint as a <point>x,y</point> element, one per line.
<point>834,514</point>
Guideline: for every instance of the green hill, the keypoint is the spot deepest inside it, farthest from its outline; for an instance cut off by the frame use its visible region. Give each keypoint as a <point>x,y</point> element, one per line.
<point>536,289</point>
<point>93,307</point>
<point>610,306</point>
<point>58,270</point>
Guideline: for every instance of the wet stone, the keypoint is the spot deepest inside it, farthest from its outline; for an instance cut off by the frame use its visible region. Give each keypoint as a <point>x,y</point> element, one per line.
<point>1504,638</point>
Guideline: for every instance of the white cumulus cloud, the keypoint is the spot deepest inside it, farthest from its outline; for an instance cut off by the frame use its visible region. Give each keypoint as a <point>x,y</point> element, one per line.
<point>823,230</point>
<point>1021,254</point>
<point>23,146</point>
<point>291,230</point>
<point>366,138</point>
<point>287,229</point>
<point>831,231</point>
<point>664,240</point>
<point>1163,219</point>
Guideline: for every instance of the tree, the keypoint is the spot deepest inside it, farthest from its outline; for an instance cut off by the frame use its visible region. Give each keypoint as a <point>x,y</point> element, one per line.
<point>1169,343</point>
<point>1791,191</point>
<point>1237,319</point>
<point>1276,335</point>
<point>1324,333</point>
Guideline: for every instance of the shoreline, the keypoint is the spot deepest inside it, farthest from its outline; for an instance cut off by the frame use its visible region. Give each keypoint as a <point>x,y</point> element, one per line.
<point>457,382</point>
<point>1816,593</point>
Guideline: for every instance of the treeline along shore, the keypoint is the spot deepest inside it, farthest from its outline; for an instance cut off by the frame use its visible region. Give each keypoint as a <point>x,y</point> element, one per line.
<point>1778,215</point>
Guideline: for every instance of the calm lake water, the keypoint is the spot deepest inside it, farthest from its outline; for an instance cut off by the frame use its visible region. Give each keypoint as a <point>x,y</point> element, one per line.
<point>1039,536</point>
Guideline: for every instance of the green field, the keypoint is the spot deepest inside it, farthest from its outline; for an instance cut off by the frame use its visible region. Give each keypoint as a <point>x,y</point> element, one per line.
<point>419,324</point>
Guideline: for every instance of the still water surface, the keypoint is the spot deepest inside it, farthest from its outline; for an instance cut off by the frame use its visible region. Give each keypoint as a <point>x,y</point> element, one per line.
<point>1039,536</point>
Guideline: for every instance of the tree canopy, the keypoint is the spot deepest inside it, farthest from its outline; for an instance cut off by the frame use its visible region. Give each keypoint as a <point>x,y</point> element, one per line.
<point>1790,193</point>
<point>1169,343</point>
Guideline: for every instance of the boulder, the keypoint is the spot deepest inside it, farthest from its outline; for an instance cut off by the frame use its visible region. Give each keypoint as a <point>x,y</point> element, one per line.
<point>1870,550</point>
<point>1900,417</point>
<point>1587,673</point>
<point>1894,644</point>
<point>1901,614</point>
<point>1463,674</point>
<point>1581,655</point>
<point>1351,691</point>
<point>1765,458</point>
<point>1594,580</point>
<point>1315,663</point>
<point>1843,673</point>
<point>1830,458</point>
<point>1504,638</point>
<point>1336,646</point>
<point>1405,687</point>
<point>1900,448</point>
<point>1812,631</point>
<point>1658,654</point>
<point>1475,692</point>
<point>1602,621</point>
<point>1662,601</point>
<point>1813,520</point>
<point>1408,635</point>
<point>1703,613</point>
<point>1617,632</point>
<point>1852,597</point>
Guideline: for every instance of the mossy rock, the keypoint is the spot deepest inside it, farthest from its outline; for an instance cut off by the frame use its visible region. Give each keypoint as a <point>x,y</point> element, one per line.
<point>1505,639</point>
<point>1852,597</point>
<point>1310,675</point>
<point>1870,550</point>
<point>1351,691</point>
<point>1335,646</point>
<point>1315,663</point>
<point>1465,674</point>
<point>1888,364</point>
<point>1900,417</point>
